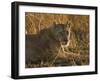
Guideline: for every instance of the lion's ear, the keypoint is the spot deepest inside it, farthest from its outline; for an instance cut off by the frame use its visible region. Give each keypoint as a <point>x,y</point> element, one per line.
<point>52,27</point>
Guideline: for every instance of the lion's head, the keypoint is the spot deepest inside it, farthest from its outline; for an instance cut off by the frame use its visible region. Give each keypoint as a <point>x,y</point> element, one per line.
<point>61,32</point>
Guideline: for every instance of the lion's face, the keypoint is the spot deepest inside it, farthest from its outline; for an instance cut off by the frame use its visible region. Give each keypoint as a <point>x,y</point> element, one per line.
<point>62,33</point>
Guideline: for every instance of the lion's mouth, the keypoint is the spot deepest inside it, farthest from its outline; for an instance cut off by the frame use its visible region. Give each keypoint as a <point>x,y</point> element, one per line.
<point>64,43</point>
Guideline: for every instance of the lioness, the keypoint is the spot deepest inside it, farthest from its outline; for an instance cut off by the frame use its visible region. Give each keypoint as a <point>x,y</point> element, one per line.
<point>45,46</point>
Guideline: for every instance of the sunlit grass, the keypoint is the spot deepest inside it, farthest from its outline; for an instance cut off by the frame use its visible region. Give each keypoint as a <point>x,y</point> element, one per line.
<point>78,49</point>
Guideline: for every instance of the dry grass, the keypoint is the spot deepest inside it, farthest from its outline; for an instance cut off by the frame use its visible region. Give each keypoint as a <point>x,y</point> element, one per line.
<point>77,53</point>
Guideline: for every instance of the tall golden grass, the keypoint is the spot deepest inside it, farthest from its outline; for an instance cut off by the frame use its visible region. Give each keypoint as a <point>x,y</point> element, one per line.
<point>78,48</point>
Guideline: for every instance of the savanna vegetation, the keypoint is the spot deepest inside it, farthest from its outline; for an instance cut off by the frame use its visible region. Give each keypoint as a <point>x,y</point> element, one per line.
<point>76,53</point>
